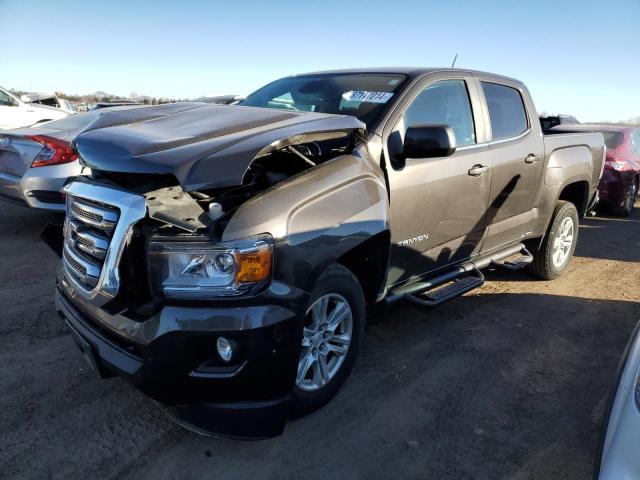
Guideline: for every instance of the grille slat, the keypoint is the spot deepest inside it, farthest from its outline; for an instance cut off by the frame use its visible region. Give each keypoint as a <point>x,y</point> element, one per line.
<point>99,216</point>
<point>88,230</point>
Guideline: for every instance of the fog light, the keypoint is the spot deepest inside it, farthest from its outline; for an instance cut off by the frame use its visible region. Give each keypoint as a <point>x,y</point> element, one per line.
<point>224,349</point>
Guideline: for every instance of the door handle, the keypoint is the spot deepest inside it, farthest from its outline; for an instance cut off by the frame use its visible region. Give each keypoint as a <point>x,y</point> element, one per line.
<point>531,158</point>
<point>478,170</point>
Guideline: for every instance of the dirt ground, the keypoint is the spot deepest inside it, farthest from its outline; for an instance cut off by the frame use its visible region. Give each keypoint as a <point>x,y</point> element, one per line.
<point>509,381</point>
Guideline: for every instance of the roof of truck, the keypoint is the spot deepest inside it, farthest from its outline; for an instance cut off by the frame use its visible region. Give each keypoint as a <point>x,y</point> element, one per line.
<point>409,71</point>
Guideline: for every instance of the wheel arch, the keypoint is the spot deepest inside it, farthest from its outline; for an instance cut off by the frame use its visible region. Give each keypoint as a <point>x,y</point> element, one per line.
<point>578,194</point>
<point>369,262</point>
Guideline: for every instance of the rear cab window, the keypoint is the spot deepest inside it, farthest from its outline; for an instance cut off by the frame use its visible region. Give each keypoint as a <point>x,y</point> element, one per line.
<point>507,113</point>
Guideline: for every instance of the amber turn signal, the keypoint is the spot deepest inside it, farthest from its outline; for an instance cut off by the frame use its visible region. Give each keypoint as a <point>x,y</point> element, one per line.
<point>254,266</point>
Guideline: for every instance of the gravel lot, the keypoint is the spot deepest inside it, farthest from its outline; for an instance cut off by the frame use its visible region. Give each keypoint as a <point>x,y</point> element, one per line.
<point>509,381</point>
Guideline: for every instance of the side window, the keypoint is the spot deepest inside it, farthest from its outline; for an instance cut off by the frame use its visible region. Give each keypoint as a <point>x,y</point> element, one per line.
<point>506,110</point>
<point>5,100</point>
<point>447,103</point>
<point>635,142</point>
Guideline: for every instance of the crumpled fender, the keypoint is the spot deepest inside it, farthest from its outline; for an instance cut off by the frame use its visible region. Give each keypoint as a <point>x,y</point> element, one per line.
<point>318,216</point>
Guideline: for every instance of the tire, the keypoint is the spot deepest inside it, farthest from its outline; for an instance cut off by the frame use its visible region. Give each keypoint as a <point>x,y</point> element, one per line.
<point>546,264</point>
<point>626,208</point>
<point>338,287</point>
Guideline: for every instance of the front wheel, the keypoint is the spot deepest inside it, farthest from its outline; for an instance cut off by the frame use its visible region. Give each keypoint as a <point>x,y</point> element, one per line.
<point>552,257</point>
<point>333,330</point>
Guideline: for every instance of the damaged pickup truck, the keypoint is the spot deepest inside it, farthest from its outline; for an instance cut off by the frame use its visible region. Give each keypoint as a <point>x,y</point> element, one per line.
<point>221,258</point>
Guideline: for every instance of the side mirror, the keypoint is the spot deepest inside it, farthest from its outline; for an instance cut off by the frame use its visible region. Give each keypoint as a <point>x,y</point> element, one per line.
<point>25,99</point>
<point>429,141</point>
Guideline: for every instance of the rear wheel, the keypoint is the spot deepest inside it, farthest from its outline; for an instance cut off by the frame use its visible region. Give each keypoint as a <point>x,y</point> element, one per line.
<point>332,333</point>
<point>629,201</point>
<point>553,256</point>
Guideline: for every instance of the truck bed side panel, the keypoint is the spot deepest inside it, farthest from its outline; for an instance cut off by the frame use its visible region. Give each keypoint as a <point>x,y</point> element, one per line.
<point>569,159</point>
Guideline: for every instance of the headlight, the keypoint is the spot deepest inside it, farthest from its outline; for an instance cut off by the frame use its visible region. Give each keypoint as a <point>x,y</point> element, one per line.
<point>199,269</point>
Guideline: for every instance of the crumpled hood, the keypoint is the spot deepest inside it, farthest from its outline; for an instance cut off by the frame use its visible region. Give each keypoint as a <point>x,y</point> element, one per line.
<point>202,145</point>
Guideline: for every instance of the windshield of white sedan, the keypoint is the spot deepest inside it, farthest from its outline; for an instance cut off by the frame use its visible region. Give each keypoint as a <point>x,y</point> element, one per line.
<point>366,96</point>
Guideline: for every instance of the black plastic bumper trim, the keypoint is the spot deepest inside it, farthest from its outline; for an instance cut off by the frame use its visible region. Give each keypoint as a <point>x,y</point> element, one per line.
<point>116,358</point>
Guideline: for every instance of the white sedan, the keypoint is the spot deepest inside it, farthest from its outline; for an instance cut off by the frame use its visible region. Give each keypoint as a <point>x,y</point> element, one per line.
<point>14,113</point>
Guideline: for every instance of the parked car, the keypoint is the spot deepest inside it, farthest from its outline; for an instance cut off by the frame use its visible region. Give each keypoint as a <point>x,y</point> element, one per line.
<point>35,162</point>
<point>550,121</point>
<point>49,99</point>
<point>221,99</point>
<point>620,181</point>
<point>221,257</point>
<point>617,456</point>
<point>113,103</point>
<point>15,113</point>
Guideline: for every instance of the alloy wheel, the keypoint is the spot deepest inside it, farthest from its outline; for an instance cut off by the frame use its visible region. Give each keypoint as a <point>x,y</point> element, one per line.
<point>631,197</point>
<point>326,338</point>
<point>563,242</point>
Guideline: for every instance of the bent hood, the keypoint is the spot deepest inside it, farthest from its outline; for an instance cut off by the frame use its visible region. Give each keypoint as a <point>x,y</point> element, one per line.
<point>202,145</point>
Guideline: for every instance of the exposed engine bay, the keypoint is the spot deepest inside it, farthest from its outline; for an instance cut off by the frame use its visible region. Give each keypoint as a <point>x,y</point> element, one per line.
<point>200,210</point>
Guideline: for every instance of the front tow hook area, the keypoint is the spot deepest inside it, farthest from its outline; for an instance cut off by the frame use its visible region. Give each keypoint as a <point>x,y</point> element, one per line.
<point>240,420</point>
<point>89,355</point>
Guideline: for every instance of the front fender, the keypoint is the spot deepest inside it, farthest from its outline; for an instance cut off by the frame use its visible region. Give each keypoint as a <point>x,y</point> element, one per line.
<point>316,217</point>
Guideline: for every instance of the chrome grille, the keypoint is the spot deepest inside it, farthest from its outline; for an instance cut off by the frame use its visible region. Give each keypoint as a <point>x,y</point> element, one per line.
<point>76,266</point>
<point>88,230</point>
<point>102,217</point>
<point>98,227</point>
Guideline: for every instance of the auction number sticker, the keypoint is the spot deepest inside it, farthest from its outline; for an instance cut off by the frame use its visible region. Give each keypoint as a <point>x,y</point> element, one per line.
<point>364,96</point>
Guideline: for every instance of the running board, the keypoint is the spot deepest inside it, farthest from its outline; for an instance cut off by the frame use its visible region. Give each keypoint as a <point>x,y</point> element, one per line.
<point>460,280</point>
<point>442,288</point>
<point>454,289</point>
<point>525,258</point>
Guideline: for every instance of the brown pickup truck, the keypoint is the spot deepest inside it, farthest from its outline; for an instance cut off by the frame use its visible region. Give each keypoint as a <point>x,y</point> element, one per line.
<point>221,257</point>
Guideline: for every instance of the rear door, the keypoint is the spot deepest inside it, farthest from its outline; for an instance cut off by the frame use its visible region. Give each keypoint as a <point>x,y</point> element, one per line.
<point>437,207</point>
<point>517,152</point>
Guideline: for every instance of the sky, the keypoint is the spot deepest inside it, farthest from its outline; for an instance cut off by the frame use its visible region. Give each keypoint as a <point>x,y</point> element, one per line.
<point>576,57</point>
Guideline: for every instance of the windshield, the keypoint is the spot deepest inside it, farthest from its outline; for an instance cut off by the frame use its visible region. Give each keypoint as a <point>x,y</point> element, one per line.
<point>612,139</point>
<point>364,95</point>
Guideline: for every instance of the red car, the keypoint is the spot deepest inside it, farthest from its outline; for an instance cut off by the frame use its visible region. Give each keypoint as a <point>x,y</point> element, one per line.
<point>621,177</point>
<point>620,180</point>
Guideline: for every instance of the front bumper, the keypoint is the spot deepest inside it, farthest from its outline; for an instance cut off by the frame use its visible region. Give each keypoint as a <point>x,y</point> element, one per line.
<point>175,361</point>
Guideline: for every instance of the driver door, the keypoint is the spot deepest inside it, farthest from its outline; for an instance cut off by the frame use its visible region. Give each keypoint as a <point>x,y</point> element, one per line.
<point>438,206</point>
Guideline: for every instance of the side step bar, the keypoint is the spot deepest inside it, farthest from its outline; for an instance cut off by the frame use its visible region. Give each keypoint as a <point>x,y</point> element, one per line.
<point>503,260</point>
<point>440,294</point>
<point>431,292</point>
<point>461,279</point>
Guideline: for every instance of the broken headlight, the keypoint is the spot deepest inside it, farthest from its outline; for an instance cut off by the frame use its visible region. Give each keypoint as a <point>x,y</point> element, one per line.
<point>202,270</point>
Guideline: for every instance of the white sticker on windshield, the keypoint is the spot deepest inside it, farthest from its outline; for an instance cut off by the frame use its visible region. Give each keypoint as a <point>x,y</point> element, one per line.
<point>364,96</point>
